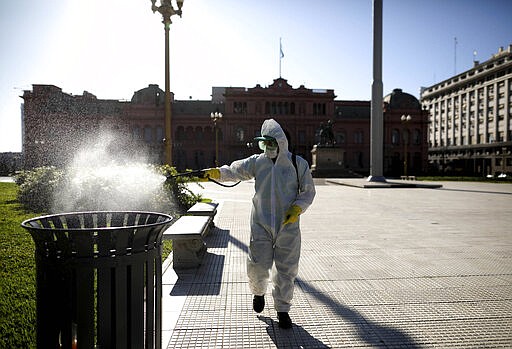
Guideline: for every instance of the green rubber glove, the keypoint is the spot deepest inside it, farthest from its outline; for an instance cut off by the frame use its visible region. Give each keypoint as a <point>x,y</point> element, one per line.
<point>292,215</point>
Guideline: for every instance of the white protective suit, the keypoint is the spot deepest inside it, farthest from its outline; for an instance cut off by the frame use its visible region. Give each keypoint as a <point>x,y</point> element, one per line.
<point>276,190</point>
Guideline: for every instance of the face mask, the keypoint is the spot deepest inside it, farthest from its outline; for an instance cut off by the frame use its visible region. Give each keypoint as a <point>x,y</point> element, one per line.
<point>270,148</point>
<point>271,152</point>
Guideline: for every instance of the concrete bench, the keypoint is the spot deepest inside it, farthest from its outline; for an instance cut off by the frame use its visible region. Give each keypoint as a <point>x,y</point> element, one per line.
<point>203,209</point>
<point>408,178</point>
<point>208,209</point>
<point>188,246</point>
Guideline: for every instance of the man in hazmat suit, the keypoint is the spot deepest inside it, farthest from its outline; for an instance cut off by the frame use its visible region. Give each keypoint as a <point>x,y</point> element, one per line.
<point>284,189</point>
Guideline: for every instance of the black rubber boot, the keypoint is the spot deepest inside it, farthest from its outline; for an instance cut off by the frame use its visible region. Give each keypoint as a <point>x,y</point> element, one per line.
<point>258,303</point>
<point>284,320</point>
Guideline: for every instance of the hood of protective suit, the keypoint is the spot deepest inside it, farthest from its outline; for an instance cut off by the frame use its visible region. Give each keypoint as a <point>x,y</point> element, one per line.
<point>276,183</point>
<point>272,128</point>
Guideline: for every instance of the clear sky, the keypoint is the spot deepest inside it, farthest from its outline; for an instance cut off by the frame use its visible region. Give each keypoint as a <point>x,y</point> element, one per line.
<point>112,48</point>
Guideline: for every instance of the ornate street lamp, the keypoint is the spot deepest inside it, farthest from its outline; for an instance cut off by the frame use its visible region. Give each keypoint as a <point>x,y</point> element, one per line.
<point>405,119</point>
<point>167,11</point>
<point>216,117</point>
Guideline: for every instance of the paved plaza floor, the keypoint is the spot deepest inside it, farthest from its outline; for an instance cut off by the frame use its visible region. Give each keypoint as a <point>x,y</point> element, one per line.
<point>380,268</point>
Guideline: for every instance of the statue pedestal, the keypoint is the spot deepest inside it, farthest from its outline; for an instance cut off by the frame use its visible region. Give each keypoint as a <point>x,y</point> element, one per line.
<point>328,162</point>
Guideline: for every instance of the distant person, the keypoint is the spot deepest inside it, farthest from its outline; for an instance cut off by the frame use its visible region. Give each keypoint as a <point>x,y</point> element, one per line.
<point>284,189</point>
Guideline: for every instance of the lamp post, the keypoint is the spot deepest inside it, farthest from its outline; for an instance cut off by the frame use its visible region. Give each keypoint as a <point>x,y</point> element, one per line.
<point>216,117</point>
<point>167,10</point>
<point>405,119</point>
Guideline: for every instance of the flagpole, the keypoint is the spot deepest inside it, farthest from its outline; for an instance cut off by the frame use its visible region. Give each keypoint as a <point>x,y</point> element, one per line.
<point>280,56</point>
<point>376,114</point>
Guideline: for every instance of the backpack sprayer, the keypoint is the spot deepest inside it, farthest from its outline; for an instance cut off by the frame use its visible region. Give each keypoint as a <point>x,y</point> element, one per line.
<point>200,174</point>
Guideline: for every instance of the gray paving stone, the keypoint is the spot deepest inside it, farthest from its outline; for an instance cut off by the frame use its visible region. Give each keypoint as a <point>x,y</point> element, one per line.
<point>380,268</point>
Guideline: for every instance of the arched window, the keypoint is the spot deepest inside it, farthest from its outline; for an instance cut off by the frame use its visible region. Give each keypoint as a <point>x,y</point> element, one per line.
<point>199,133</point>
<point>209,133</point>
<point>148,134</point>
<point>395,137</point>
<point>160,134</point>
<point>417,137</point>
<point>189,133</point>
<point>358,137</point>
<point>180,133</point>
<point>199,159</point>
<point>341,137</point>
<point>136,133</point>
<point>240,134</point>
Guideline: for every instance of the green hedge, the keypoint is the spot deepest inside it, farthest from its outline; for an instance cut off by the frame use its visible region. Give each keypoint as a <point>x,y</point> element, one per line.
<point>44,189</point>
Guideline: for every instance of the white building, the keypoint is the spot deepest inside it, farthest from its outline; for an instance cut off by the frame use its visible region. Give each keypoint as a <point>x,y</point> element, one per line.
<point>470,130</point>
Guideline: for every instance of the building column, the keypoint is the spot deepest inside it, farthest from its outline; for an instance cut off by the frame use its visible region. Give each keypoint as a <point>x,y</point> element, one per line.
<point>458,122</point>
<point>444,121</point>
<point>507,110</point>
<point>437,126</point>
<point>451,117</point>
<point>496,112</point>
<point>468,119</point>
<point>485,115</point>
<point>477,118</point>
<point>438,123</point>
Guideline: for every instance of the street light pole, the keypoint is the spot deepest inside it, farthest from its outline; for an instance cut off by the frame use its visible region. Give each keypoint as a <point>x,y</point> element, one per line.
<point>216,117</point>
<point>167,10</point>
<point>405,119</point>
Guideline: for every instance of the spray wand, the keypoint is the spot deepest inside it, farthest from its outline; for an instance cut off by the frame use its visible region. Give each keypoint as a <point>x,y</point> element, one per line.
<point>200,174</point>
<point>197,173</point>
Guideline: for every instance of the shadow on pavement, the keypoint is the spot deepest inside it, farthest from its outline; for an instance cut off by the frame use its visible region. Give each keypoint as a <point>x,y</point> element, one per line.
<point>203,281</point>
<point>217,238</point>
<point>296,337</point>
<point>373,333</point>
<point>477,191</point>
<point>207,280</point>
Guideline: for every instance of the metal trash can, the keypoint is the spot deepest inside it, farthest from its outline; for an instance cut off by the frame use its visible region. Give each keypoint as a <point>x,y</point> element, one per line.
<point>99,279</point>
